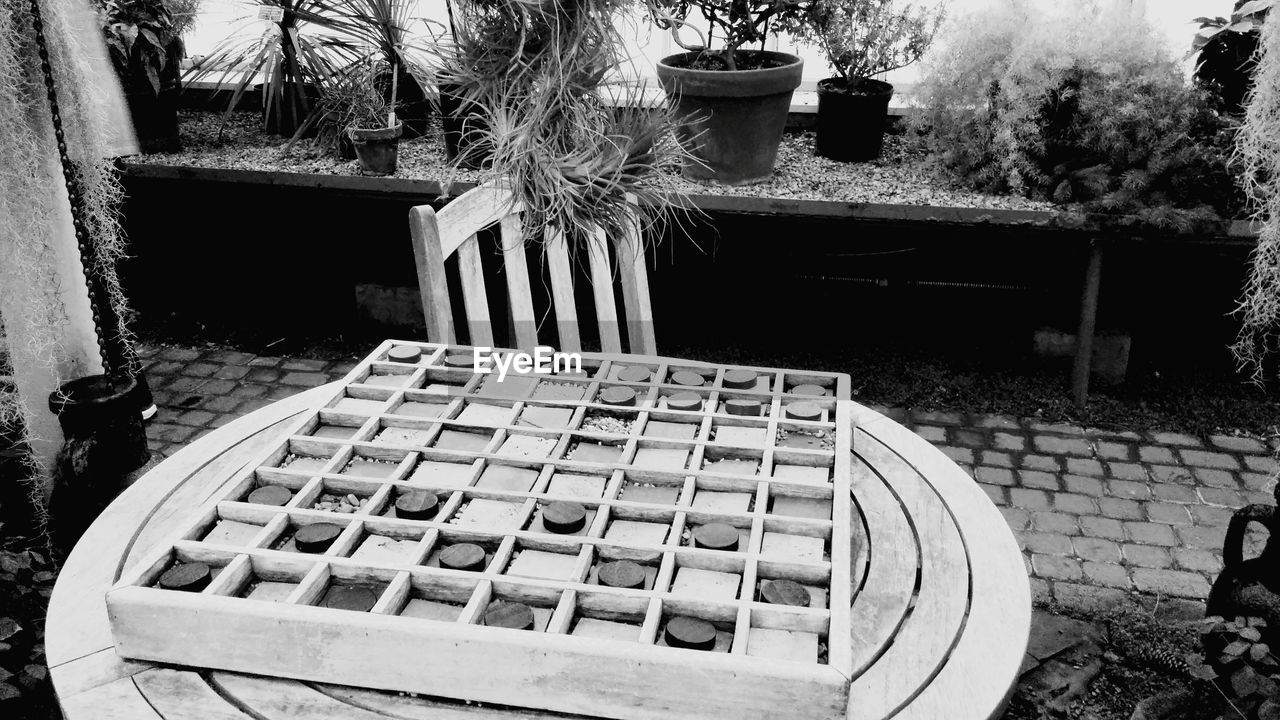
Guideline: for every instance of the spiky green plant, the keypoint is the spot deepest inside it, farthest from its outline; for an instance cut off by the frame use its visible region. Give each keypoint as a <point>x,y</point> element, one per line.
<point>573,160</point>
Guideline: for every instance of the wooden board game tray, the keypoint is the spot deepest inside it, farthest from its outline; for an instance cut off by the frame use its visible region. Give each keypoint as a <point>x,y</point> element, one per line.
<point>657,464</point>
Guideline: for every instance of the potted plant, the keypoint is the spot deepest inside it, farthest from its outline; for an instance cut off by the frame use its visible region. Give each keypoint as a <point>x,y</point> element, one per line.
<point>369,119</point>
<point>528,77</point>
<point>288,60</point>
<point>145,50</point>
<point>734,101</point>
<point>862,38</point>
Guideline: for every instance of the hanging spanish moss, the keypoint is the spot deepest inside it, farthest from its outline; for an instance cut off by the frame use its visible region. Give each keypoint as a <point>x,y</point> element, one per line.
<point>33,200</point>
<point>571,157</point>
<point>1258,155</point>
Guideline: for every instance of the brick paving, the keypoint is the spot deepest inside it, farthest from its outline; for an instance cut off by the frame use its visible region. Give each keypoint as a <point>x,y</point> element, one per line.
<point>1100,515</point>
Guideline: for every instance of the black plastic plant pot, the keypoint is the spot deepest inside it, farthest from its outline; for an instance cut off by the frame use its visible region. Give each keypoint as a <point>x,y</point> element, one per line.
<point>731,120</point>
<point>377,149</point>
<point>463,126</point>
<point>155,118</point>
<point>851,118</point>
<point>100,415</point>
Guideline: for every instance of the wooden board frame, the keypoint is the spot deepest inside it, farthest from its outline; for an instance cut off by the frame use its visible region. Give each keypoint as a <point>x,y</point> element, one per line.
<point>553,670</point>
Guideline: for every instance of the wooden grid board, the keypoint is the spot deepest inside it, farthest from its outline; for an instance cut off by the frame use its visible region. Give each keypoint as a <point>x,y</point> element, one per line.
<point>496,454</point>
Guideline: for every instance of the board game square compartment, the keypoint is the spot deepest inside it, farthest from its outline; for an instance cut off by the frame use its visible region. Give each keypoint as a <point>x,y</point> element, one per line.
<point>791,645</point>
<point>231,532</point>
<point>385,549</point>
<point>489,515</point>
<point>460,549</point>
<point>390,434</point>
<point>817,593</point>
<point>744,436</point>
<point>606,422</point>
<point>650,571</point>
<point>264,586</point>
<point>367,467</point>
<point>731,461</point>
<point>662,455</point>
<point>536,523</point>
<point>215,567</point>
<point>546,417</point>
<point>463,441</point>
<point>531,447</point>
<point>653,492</point>
<point>436,604</point>
<point>691,535</point>
<point>334,432</point>
<point>671,430</point>
<point>511,387</point>
<point>683,397</point>
<point>388,375</point>
<point>476,413</point>
<point>304,463</point>
<point>497,613</point>
<point>724,501</point>
<point>804,474</point>
<point>577,486</point>
<point>543,565</point>
<point>604,452</point>
<point>358,406</point>
<point>800,507</point>
<point>507,478</point>
<point>286,540</point>
<point>723,628</point>
<point>421,405</point>
<point>351,596</point>
<point>599,629</point>
<point>559,391</point>
<point>690,377</point>
<point>442,474</point>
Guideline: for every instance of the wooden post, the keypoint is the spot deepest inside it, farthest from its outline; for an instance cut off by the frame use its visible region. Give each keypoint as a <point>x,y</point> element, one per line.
<point>1088,323</point>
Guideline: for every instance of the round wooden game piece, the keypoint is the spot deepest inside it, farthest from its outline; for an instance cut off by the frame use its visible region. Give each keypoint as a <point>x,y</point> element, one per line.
<point>690,633</point>
<point>316,537</point>
<point>564,518</point>
<point>804,411</point>
<point>742,406</point>
<point>460,360</point>
<point>514,615</point>
<point>187,577</point>
<point>784,592</point>
<point>343,597</point>
<point>404,354</point>
<point>688,378</point>
<point>740,379</point>
<point>716,536</point>
<point>622,574</point>
<point>685,401</point>
<point>463,556</point>
<point>270,495</point>
<point>618,396</point>
<point>635,373</point>
<point>417,505</point>
<point>810,390</point>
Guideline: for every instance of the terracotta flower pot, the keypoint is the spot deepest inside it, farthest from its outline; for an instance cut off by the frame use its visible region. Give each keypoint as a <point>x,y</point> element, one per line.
<point>732,119</point>
<point>377,149</point>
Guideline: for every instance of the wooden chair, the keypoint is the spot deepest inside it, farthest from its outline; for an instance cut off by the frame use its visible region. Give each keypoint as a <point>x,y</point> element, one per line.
<point>439,235</point>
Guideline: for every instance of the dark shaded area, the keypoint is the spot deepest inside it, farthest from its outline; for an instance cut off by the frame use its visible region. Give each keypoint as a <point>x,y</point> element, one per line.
<point>923,314</point>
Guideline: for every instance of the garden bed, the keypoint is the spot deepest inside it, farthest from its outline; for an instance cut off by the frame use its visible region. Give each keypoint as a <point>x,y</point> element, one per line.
<point>902,176</point>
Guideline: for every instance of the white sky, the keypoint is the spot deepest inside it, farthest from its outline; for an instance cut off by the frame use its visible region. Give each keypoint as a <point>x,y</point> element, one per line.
<point>218,17</point>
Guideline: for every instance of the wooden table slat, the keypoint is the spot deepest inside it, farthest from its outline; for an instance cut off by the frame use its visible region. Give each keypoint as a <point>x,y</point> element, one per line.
<point>921,644</point>
<point>999,621</point>
<point>116,700</point>
<point>185,695</point>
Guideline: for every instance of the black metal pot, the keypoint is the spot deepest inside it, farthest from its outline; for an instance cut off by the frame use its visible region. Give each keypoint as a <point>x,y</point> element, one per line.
<point>851,118</point>
<point>464,127</point>
<point>1250,588</point>
<point>104,443</point>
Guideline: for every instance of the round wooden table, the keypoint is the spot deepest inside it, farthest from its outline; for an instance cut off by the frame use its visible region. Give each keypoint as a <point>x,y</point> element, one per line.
<point>941,602</point>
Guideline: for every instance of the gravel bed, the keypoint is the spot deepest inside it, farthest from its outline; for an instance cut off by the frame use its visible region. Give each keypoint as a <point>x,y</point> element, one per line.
<point>902,175</point>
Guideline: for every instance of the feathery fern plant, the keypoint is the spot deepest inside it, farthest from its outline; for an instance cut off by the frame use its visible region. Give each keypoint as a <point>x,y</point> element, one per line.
<point>1081,104</point>
<point>537,72</point>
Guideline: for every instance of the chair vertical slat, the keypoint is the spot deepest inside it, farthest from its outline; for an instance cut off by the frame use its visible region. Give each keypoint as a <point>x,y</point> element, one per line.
<point>519,292</point>
<point>433,284</point>
<point>602,288</point>
<point>474,298</point>
<point>635,291</point>
<point>562,291</point>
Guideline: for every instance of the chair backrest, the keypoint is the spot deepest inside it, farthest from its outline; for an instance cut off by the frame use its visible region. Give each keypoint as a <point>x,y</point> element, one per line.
<point>438,235</point>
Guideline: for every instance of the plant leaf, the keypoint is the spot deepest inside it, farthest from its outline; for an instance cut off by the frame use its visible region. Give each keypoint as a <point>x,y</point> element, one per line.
<point>1269,710</point>
<point>8,628</point>
<point>1236,649</point>
<point>1251,634</point>
<point>1244,682</point>
<point>1203,672</point>
<point>1259,651</point>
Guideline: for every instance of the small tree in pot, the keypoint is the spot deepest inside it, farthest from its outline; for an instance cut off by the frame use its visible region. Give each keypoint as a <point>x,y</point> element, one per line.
<point>862,38</point>
<point>735,100</point>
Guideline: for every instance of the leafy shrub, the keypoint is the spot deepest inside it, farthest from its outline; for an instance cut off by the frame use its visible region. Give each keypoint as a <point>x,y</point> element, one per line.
<point>1077,104</point>
<point>1237,660</point>
<point>861,38</point>
<point>1225,49</point>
